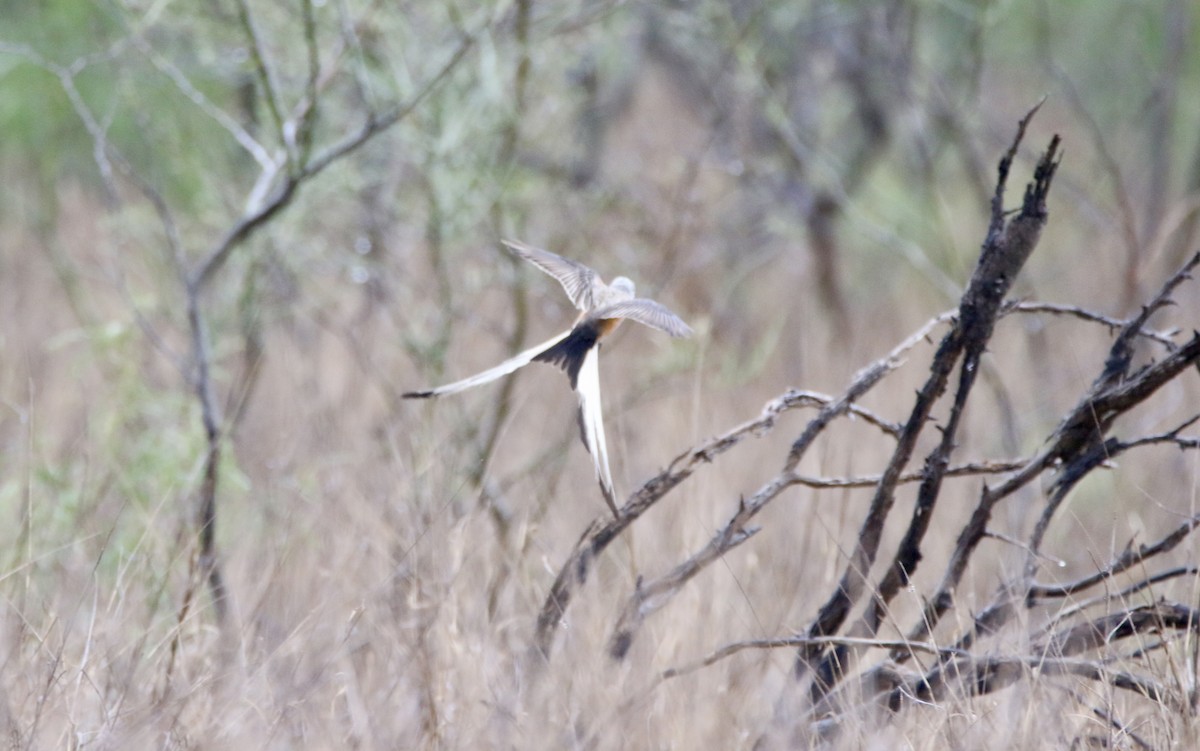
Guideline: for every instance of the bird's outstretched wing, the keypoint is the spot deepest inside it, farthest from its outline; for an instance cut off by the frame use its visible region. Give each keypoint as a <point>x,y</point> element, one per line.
<point>591,424</point>
<point>491,374</point>
<point>647,312</point>
<point>578,280</point>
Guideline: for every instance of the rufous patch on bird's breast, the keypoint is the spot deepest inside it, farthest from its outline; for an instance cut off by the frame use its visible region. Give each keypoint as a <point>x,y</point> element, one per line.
<point>606,326</point>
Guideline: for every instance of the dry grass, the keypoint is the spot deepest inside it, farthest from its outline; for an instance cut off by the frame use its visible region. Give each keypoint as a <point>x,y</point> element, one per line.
<point>380,605</point>
<point>382,599</point>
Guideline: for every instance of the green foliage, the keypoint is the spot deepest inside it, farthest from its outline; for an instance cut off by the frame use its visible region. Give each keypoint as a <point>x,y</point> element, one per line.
<point>132,478</point>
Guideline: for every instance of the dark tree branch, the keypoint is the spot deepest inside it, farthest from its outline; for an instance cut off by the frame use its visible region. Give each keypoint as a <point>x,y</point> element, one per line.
<point>1005,250</point>
<point>1121,595</point>
<point>847,642</point>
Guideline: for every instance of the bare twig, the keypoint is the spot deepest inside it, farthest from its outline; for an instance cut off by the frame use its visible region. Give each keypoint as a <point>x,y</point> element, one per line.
<point>206,105</point>
<point>1120,595</point>
<point>266,78</point>
<point>1112,721</point>
<point>308,116</point>
<point>1127,560</point>
<point>206,521</point>
<point>1099,632</point>
<point>101,147</point>
<point>799,641</point>
<point>973,469</point>
<point>1113,324</point>
<point>375,124</point>
<point>984,675</point>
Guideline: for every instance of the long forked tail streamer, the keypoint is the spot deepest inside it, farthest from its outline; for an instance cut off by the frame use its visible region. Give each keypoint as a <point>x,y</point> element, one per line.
<point>508,366</point>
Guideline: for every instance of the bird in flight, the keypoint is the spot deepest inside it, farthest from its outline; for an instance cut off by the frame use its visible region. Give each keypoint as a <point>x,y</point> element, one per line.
<point>602,308</point>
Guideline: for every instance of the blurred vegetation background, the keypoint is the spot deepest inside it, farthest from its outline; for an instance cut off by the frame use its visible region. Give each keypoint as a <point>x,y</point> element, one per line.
<point>805,182</point>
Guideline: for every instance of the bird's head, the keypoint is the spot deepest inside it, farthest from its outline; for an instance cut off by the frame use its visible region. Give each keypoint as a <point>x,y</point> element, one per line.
<point>624,285</point>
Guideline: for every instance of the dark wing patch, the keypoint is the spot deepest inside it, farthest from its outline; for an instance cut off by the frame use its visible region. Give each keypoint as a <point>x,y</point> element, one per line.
<point>569,353</point>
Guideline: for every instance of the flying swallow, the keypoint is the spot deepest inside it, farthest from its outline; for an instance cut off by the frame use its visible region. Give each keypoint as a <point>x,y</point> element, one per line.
<point>602,308</point>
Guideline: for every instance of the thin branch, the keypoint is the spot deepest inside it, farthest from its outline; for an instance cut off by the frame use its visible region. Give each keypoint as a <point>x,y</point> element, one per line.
<point>1112,721</point>
<point>266,77</point>
<point>973,469</point>
<point>1121,354</point>
<point>984,675</point>
<point>352,43</point>
<point>203,273</point>
<point>206,521</point>
<point>1113,324</point>
<point>1121,595</point>
<point>221,117</point>
<point>1102,631</point>
<point>800,641</point>
<point>304,135</point>
<point>1125,561</point>
<point>1171,436</point>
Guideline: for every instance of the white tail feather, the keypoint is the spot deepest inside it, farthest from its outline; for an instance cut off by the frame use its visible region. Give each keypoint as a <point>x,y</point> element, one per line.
<point>508,366</point>
<point>591,418</point>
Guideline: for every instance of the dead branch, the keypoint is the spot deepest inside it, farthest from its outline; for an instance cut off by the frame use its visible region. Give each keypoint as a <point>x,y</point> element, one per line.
<point>848,642</point>
<point>1007,246</point>
<point>1127,560</point>
<point>1102,631</point>
<point>984,675</point>
<point>1113,324</point>
<point>1120,595</point>
<point>973,469</point>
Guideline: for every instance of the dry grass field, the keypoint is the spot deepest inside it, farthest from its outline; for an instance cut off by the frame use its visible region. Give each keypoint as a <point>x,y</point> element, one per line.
<point>234,233</point>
